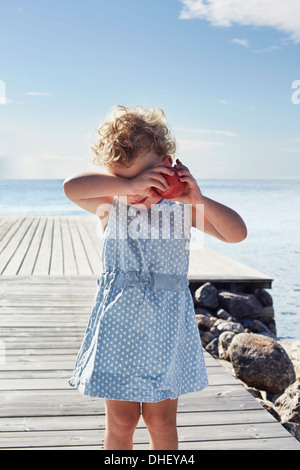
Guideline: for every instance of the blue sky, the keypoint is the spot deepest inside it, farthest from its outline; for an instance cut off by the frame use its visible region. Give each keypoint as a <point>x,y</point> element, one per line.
<point>222,70</point>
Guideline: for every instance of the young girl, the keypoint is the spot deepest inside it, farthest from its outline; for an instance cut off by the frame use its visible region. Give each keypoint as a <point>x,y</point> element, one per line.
<point>142,348</point>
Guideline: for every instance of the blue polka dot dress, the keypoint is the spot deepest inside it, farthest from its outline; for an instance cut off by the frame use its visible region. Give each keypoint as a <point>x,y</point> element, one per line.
<point>142,341</point>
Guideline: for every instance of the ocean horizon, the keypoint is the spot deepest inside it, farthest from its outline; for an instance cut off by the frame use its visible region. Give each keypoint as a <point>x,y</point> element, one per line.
<point>269,207</point>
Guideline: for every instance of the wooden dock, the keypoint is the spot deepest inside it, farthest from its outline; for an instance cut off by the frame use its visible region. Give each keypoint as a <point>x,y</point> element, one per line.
<point>46,296</point>
<point>71,246</point>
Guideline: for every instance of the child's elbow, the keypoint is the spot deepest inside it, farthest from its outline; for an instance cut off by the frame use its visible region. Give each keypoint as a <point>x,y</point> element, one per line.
<point>239,236</point>
<point>242,237</point>
<point>68,187</point>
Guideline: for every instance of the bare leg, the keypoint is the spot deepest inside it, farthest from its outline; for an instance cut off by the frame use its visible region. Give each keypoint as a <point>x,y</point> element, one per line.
<point>160,419</point>
<point>121,420</point>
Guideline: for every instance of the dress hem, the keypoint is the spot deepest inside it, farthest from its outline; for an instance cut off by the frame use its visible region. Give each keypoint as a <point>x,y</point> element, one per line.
<point>131,395</point>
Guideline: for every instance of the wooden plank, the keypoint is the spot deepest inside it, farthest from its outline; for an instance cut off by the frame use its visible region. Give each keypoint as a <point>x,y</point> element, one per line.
<point>210,266</point>
<point>46,380</point>
<point>41,411</point>
<point>52,423</point>
<point>82,261</point>
<point>9,225</point>
<point>66,402</point>
<point>31,354</point>
<point>92,248</point>
<point>10,248</point>
<point>42,263</point>
<point>95,422</point>
<point>68,245</point>
<point>186,434</point>
<point>234,444</point>
<point>28,264</point>
<point>70,266</point>
<point>56,260</point>
<point>263,444</point>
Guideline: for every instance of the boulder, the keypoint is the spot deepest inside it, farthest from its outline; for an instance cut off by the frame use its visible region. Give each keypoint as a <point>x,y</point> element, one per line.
<point>256,326</point>
<point>239,305</point>
<point>222,325</point>
<point>205,322</point>
<point>202,311</point>
<point>221,313</point>
<point>288,404</point>
<point>224,342</point>
<point>268,405</point>
<point>293,428</point>
<point>263,296</point>
<point>261,362</point>
<point>212,347</point>
<point>206,337</point>
<point>271,325</point>
<point>267,314</point>
<point>206,296</point>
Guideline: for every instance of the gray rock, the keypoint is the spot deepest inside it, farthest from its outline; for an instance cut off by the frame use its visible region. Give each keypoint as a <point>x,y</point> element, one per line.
<point>206,337</point>
<point>267,314</point>
<point>288,404</point>
<point>240,305</point>
<point>221,313</point>
<point>256,326</point>
<point>272,327</point>
<point>268,405</point>
<point>206,296</point>
<point>228,326</point>
<point>261,362</point>
<point>263,296</point>
<point>293,428</point>
<point>212,347</point>
<point>224,342</point>
<point>202,311</point>
<point>204,322</point>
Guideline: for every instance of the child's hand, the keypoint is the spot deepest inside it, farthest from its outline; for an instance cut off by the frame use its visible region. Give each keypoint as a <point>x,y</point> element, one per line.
<point>192,193</point>
<point>144,182</point>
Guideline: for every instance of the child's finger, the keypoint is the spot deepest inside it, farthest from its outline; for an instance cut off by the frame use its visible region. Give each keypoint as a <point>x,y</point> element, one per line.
<point>180,165</point>
<point>183,172</point>
<point>160,181</point>
<point>163,169</point>
<point>156,184</point>
<point>162,164</point>
<point>187,179</point>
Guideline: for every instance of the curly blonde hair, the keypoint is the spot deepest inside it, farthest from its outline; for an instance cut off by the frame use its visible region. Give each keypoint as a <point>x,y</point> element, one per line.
<point>127,131</point>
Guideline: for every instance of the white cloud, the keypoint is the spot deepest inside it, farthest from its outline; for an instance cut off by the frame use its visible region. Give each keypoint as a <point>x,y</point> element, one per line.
<point>195,144</point>
<point>267,49</point>
<point>38,93</point>
<point>241,42</point>
<point>207,131</point>
<point>282,15</point>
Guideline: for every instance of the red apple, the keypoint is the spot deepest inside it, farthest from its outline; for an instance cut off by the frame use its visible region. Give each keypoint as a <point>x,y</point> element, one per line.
<point>176,189</point>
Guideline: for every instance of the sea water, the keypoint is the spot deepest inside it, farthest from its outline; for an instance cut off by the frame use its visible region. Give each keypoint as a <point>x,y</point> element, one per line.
<point>270,209</point>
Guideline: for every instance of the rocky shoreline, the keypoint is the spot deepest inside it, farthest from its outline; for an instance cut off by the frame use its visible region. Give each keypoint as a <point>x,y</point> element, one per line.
<point>238,328</point>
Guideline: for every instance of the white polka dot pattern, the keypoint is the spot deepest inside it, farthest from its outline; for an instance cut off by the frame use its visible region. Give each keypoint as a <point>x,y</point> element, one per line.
<point>142,341</point>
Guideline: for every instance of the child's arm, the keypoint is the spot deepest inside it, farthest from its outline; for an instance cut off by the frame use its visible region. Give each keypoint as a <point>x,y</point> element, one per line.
<point>90,184</point>
<point>89,190</point>
<point>219,221</point>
